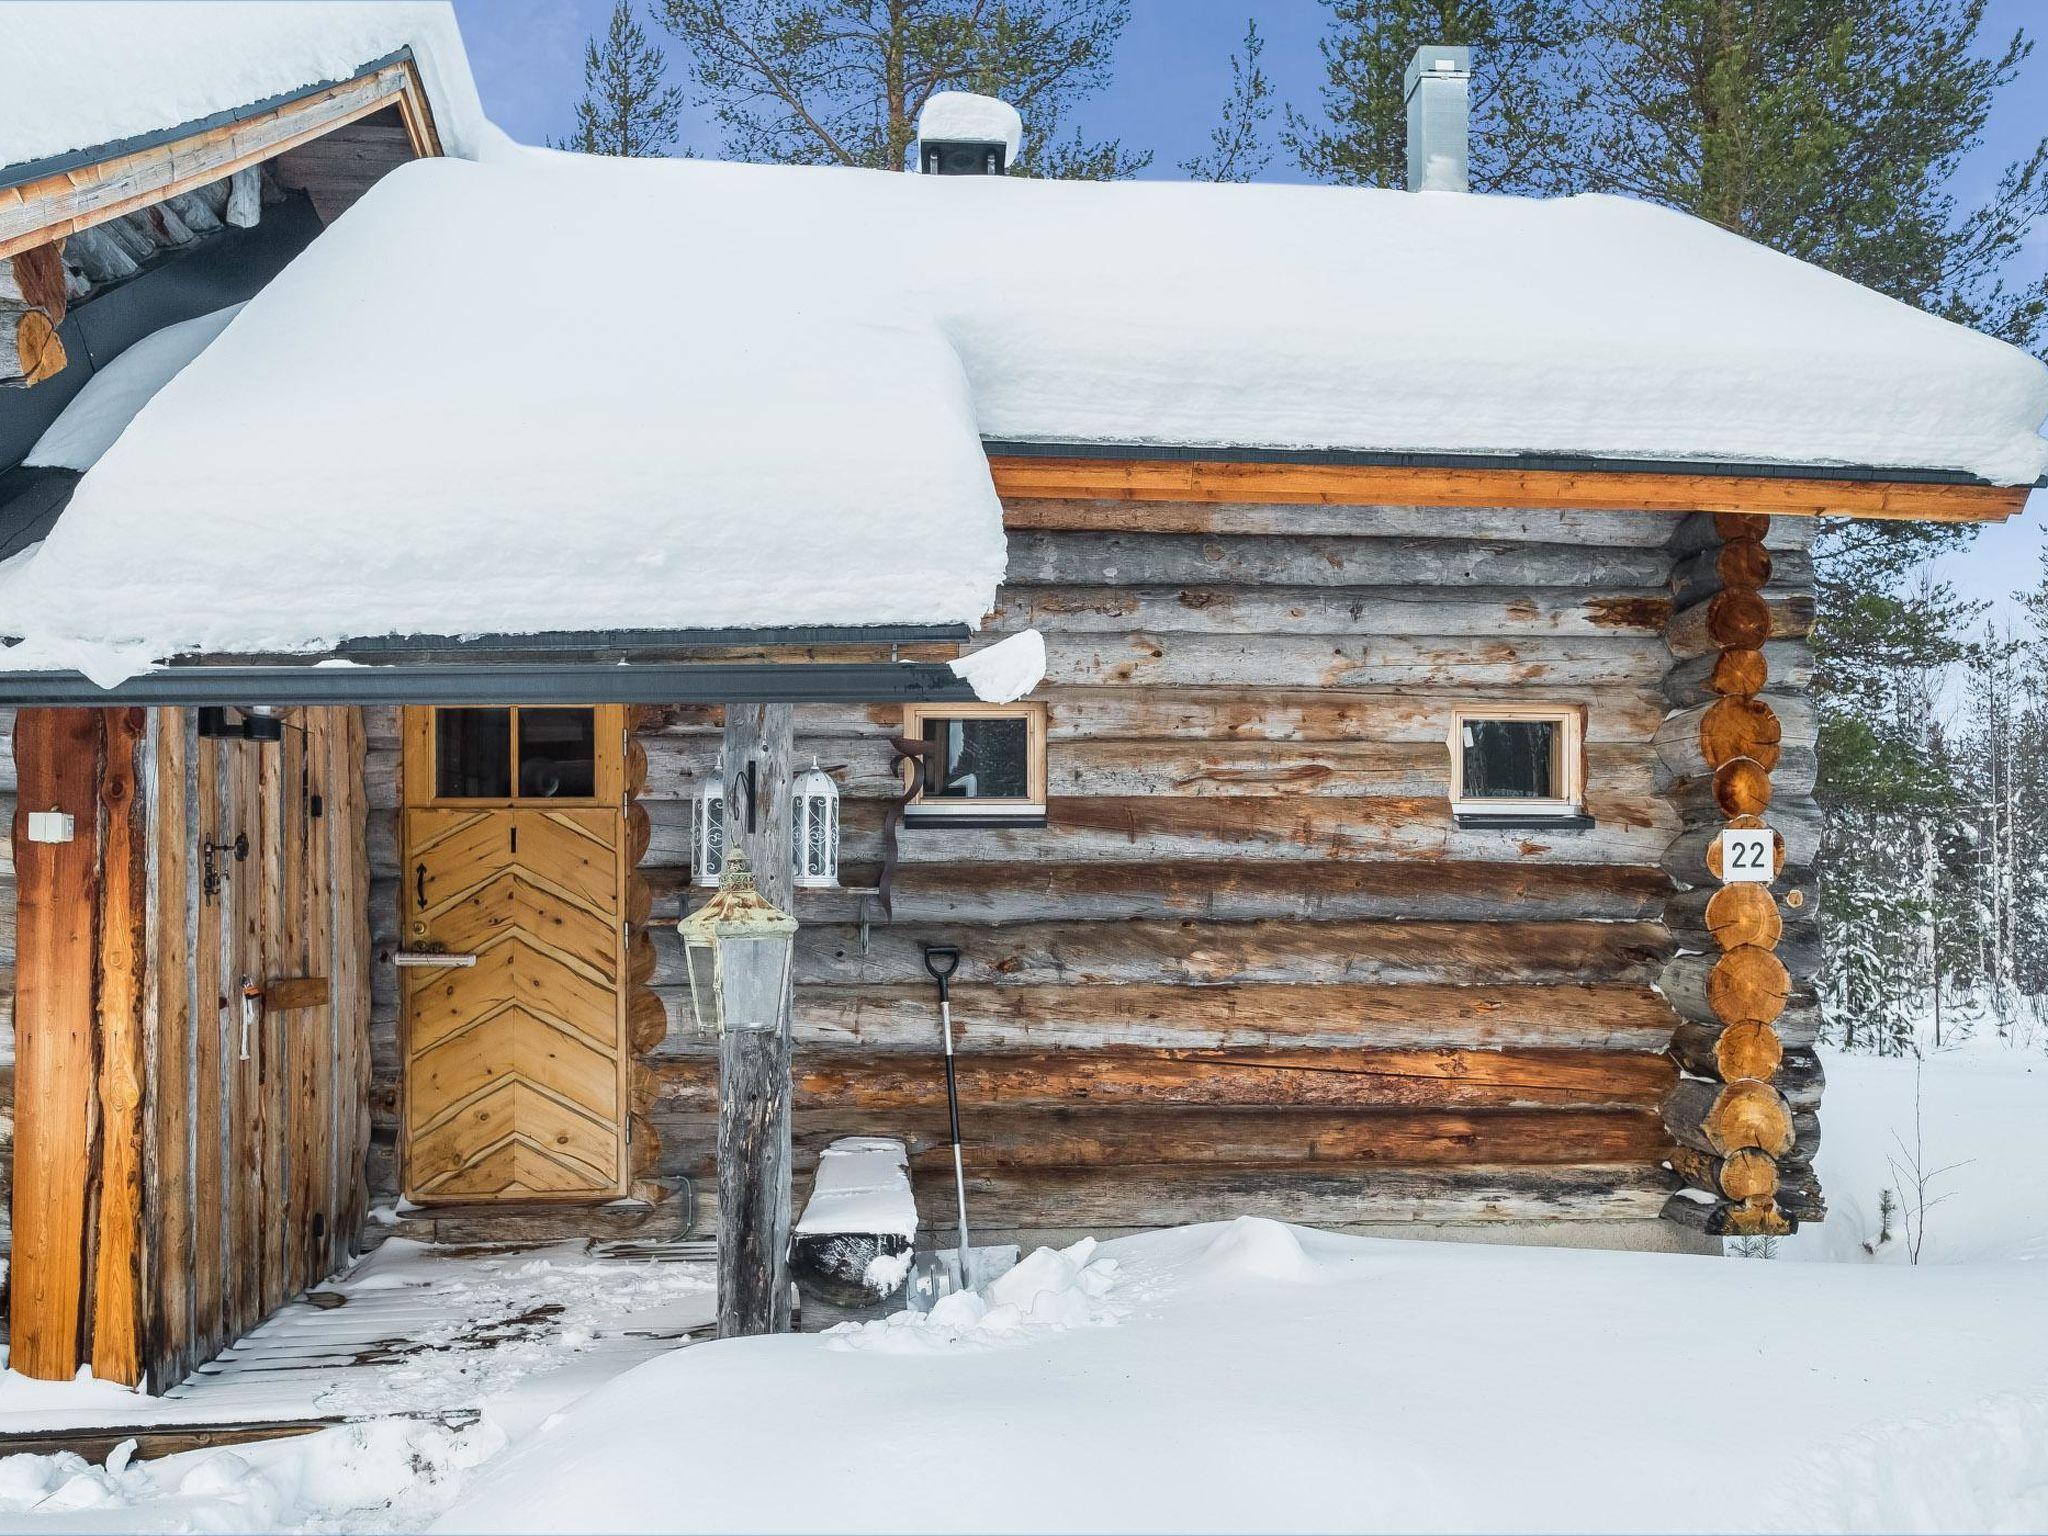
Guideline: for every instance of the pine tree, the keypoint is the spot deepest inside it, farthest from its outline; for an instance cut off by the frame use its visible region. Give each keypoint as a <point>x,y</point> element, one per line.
<point>625,109</point>
<point>840,82</point>
<point>1237,145</point>
<point>1516,122</point>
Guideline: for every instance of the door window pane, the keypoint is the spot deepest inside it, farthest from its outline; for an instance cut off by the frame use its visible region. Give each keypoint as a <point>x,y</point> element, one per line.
<point>1513,760</point>
<point>557,754</point>
<point>473,754</point>
<point>977,759</point>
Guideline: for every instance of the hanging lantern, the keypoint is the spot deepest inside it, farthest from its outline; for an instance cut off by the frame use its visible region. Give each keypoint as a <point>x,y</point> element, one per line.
<point>708,824</point>
<point>814,807</point>
<point>736,949</point>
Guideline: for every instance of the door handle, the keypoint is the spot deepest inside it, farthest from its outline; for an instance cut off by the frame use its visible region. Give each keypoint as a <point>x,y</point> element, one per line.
<point>418,957</point>
<point>419,878</point>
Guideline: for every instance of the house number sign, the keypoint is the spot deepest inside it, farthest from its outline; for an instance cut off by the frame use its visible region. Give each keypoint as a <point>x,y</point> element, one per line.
<point>1746,854</point>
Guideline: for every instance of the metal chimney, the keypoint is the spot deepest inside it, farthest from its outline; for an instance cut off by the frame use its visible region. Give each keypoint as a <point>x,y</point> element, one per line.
<point>1437,87</point>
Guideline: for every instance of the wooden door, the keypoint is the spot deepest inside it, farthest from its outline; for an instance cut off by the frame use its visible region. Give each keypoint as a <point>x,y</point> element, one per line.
<point>515,1058</point>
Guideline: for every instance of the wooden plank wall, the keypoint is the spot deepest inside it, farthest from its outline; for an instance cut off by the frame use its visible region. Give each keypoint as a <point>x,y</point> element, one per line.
<point>225,1173</point>
<point>1251,963</point>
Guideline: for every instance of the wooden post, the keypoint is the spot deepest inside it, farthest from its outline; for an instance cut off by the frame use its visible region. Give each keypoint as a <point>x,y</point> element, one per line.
<point>753,1179</point>
<point>1736,1128</point>
<point>754,1195</point>
<point>57,758</point>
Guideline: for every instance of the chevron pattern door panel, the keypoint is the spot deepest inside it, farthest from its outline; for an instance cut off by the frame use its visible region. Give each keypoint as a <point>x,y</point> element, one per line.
<point>515,1065</point>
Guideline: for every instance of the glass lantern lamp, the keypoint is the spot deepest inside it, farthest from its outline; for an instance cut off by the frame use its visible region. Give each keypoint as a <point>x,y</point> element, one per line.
<point>814,807</point>
<point>708,827</point>
<point>737,949</point>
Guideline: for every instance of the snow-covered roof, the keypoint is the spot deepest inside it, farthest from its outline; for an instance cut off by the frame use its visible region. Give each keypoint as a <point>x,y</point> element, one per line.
<point>453,413</point>
<point>76,74</point>
<point>963,117</point>
<point>101,411</point>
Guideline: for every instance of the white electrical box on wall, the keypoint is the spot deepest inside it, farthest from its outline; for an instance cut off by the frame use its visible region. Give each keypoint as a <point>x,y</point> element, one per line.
<point>50,826</point>
<point>1747,854</point>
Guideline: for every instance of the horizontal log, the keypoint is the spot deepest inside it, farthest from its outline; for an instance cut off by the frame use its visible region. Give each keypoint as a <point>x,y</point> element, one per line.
<point>1780,535</point>
<point>1725,916</point>
<point>1589,1015</point>
<point>1136,1197</point>
<point>1801,1078</point>
<point>1730,1218</point>
<point>1270,1078</point>
<point>1613,714</point>
<point>1727,1117</point>
<point>1728,1052</point>
<point>1171,659</point>
<point>1204,953</point>
<point>1738,619</point>
<point>1627,830</point>
<point>1783,666</point>
<point>1140,558</point>
<point>1228,891</point>
<point>865,767</point>
<point>1740,564</point>
<point>1799,1193</point>
<point>1091,1137</point>
<point>1694,855</point>
<point>1746,985</point>
<point>1521,525</point>
<point>1318,610</point>
<point>1744,1175</point>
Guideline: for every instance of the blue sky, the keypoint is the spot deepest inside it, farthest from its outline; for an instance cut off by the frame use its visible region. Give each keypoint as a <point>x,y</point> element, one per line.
<point>1172,74</point>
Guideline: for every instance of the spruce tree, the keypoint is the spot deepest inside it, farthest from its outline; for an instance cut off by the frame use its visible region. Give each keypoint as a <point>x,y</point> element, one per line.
<point>625,108</point>
<point>840,82</point>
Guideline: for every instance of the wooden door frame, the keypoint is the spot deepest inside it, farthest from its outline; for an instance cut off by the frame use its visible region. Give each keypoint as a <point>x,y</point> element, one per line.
<point>416,784</point>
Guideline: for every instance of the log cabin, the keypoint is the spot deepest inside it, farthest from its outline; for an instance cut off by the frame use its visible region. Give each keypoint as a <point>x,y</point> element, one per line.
<point>1422,579</point>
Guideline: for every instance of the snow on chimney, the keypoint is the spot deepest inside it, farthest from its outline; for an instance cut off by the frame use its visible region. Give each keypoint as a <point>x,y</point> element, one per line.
<point>1436,85</point>
<point>961,134</point>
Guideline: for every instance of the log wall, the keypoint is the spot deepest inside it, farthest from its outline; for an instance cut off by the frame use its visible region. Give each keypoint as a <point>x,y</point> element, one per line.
<point>1252,962</point>
<point>191,1163</point>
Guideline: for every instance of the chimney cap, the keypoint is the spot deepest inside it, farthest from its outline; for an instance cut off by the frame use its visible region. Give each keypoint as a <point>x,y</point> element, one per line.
<point>961,117</point>
<point>1439,60</point>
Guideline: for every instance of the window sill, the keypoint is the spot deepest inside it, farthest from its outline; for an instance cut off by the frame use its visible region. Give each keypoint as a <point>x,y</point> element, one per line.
<point>1523,821</point>
<point>1028,816</point>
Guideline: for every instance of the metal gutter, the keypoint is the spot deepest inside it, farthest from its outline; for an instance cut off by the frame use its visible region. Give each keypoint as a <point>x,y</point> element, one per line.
<point>502,682</point>
<point>24,171</point>
<point>645,640</point>
<point>1579,464</point>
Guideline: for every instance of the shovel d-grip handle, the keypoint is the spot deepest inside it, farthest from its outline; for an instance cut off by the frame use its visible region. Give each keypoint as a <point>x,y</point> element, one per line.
<point>940,962</point>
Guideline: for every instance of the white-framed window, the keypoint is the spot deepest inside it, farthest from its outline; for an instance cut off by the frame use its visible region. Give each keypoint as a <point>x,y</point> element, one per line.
<point>981,763</point>
<point>1518,760</point>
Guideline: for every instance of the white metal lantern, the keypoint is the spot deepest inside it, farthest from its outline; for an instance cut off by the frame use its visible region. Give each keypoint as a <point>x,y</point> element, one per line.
<point>708,839</point>
<point>814,807</point>
<point>737,949</point>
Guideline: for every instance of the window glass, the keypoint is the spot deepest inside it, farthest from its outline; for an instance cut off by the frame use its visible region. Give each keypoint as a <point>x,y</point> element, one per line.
<point>977,759</point>
<point>473,754</point>
<point>1513,760</point>
<point>557,754</point>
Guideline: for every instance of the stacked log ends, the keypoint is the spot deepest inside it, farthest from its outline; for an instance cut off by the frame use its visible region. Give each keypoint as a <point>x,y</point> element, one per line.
<point>1730,1115</point>
<point>33,298</point>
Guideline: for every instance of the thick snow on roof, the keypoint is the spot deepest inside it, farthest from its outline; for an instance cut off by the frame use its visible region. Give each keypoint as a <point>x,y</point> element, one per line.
<point>100,412</point>
<point>970,119</point>
<point>75,74</point>
<point>555,392</point>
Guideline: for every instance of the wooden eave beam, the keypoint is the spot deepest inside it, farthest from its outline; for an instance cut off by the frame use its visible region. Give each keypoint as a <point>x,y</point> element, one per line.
<point>1212,480</point>
<point>54,206</point>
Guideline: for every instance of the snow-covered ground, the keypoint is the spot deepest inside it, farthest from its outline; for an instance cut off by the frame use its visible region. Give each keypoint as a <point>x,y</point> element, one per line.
<point>1250,1376</point>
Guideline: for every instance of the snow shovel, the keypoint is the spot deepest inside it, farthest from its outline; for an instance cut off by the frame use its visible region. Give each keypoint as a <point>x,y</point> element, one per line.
<point>941,961</point>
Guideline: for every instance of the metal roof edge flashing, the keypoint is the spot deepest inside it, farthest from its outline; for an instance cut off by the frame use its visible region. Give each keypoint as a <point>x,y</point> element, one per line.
<point>1040,448</point>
